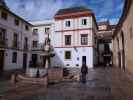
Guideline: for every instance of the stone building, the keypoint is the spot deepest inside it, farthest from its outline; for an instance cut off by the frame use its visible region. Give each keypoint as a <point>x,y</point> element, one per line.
<point>104,41</point>
<point>123,39</point>
<point>15,41</point>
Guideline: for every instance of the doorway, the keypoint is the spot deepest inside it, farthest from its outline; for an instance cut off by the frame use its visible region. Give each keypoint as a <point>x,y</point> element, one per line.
<point>34,60</point>
<point>83,60</point>
<point>1,61</point>
<point>24,61</point>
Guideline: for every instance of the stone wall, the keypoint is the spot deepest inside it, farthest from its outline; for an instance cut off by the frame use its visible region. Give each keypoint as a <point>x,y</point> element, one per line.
<point>127,31</point>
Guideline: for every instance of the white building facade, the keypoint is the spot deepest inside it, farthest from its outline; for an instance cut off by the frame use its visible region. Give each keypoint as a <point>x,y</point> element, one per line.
<point>74,38</point>
<point>15,43</point>
<point>41,29</point>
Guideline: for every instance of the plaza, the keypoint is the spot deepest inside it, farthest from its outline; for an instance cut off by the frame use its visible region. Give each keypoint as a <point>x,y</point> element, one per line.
<point>102,84</point>
<point>43,59</point>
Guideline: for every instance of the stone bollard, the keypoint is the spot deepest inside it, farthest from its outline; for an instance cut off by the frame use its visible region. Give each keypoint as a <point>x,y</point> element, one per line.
<point>14,78</point>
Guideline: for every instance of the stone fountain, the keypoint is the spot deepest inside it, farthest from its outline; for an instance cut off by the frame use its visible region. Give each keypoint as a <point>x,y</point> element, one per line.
<point>39,74</point>
<point>44,74</point>
<point>42,68</point>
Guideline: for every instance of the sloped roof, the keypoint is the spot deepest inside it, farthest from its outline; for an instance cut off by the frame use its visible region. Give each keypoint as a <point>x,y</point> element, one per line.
<point>73,10</point>
<point>9,11</point>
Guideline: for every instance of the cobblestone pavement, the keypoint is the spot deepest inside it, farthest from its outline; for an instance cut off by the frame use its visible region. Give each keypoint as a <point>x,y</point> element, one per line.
<point>102,84</point>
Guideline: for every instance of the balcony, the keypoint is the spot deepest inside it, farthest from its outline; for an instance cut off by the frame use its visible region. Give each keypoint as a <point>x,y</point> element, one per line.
<point>15,45</point>
<point>3,42</point>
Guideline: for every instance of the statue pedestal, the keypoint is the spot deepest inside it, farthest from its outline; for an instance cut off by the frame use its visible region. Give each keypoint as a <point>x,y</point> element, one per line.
<point>55,75</point>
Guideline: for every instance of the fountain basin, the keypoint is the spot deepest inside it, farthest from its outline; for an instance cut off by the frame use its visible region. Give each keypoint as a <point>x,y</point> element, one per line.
<point>32,72</point>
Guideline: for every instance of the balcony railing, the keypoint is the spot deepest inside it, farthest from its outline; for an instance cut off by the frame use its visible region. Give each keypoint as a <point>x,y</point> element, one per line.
<point>15,45</point>
<point>3,42</point>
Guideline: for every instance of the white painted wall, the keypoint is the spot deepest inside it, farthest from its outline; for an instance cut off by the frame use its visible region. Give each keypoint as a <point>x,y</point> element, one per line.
<point>11,28</point>
<point>76,57</point>
<point>58,42</point>
<point>40,37</point>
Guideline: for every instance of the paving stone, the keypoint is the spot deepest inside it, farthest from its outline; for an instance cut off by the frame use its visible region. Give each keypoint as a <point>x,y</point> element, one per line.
<point>102,84</point>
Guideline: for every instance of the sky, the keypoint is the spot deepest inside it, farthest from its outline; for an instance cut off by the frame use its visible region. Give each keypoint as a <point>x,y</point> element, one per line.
<point>33,10</point>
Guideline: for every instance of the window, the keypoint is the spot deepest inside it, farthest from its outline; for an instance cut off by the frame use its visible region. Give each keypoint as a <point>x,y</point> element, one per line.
<point>34,44</point>
<point>67,39</point>
<point>77,65</point>
<point>14,57</point>
<point>34,58</point>
<point>16,21</point>
<point>26,40</point>
<point>15,40</point>
<point>35,31</point>
<point>68,55</point>
<point>15,37</point>
<point>67,64</point>
<point>26,27</point>
<point>25,43</point>
<point>68,23</point>
<point>47,30</point>
<point>84,39</point>
<point>4,15</point>
<point>84,22</point>
<point>2,34</point>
